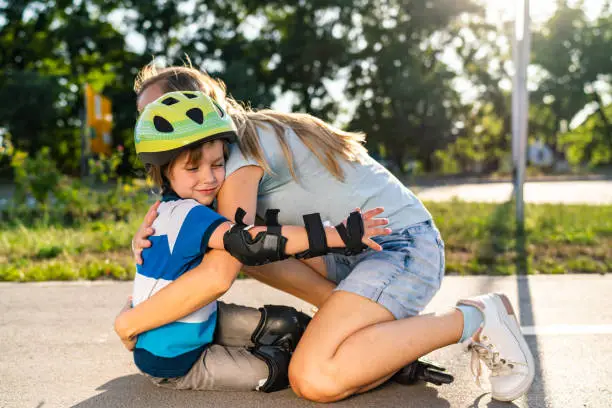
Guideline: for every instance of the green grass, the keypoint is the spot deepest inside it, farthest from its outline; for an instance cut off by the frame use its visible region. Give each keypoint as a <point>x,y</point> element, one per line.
<point>92,250</point>
<point>480,239</point>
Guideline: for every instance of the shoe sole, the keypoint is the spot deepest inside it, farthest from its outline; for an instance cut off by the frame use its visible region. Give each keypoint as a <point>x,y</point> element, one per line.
<point>507,316</point>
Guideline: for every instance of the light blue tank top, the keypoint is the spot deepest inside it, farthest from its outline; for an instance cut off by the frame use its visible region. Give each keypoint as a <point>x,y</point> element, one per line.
<point>366,185</point>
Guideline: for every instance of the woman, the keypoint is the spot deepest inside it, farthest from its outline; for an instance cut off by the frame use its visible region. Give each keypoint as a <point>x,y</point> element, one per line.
<point>368,324</point>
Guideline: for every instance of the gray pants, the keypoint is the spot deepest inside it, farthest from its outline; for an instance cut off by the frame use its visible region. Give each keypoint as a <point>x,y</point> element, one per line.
<point>227,364</point>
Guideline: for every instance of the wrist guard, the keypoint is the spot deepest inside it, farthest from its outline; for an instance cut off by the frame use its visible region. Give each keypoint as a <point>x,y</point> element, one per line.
<point>351,235</point>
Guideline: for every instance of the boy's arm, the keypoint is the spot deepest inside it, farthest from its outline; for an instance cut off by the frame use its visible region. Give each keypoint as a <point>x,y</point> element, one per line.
<point>190,292</point>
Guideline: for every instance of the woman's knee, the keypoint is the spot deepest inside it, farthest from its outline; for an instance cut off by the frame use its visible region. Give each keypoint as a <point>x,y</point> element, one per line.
<point>315,381</point>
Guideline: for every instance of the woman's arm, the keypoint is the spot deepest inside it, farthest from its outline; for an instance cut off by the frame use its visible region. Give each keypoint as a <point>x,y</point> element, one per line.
<point>297,237</point>
<point>140,241</point>
<point>190,292</point>
<point>240,190</point>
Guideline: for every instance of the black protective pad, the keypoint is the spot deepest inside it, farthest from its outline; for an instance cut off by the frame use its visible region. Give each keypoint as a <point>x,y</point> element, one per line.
<point>272,221</point>
<point>423,370</point>
<point>351,235</point>
<point>280,326</point>
<point>317,241</point>
<point>277,361</point>
<point>272,217</point>
<point>266,247</point>
<point>239,217</point>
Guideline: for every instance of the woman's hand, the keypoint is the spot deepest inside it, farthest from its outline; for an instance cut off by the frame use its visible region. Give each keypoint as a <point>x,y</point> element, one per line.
<point>372,226</point>
<point>128,342</point>
<point>140,241</point>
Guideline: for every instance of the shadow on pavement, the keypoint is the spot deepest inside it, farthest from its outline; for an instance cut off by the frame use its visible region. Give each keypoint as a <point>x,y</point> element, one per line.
<point>135,391</point>
<point>537,393</point>
<point>499,243</point>
<point>492,403</point>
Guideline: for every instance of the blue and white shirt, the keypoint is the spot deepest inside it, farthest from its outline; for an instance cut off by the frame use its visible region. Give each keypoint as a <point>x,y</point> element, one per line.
<point>182,231</point>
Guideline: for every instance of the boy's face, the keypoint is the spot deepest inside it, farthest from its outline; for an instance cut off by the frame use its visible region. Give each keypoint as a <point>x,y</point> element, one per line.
<point>200,181</point>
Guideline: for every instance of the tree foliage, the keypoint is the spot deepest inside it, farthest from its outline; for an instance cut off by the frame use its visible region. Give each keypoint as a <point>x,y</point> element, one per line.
<point>397,69</point>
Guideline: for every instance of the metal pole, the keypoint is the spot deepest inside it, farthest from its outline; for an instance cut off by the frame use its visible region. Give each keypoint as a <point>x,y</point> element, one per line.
<point>520,107</point>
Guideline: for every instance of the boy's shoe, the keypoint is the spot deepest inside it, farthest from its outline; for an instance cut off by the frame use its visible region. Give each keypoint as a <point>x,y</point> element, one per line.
<point>500,345</point>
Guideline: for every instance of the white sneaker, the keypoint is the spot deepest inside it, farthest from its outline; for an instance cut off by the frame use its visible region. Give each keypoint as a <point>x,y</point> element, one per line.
<point>500,344</point>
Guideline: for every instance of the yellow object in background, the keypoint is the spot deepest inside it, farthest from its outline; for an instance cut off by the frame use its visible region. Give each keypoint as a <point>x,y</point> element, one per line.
<point>98,122</point>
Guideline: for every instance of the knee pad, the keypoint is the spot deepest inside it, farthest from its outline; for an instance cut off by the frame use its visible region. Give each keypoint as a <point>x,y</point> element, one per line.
<point>277,360</point>
<point>280,326</point>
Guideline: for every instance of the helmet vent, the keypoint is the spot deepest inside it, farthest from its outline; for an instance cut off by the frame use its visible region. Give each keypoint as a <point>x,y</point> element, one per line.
<point>190,95</point>
<point>162,125</point>
<point>220,111</point>
<point>196,115</point>
<point>170,101</point>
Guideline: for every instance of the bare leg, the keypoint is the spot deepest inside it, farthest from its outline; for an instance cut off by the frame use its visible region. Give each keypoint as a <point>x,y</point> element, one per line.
<point>353,344</point>
<point>305,280</point>
<point>294,281</point>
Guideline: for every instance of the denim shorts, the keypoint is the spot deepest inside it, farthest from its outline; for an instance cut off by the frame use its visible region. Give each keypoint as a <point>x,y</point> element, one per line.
<point>403,277</point>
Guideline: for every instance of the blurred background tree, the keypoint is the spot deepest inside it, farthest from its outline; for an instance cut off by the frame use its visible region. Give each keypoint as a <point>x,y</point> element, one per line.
<point>428,81</point>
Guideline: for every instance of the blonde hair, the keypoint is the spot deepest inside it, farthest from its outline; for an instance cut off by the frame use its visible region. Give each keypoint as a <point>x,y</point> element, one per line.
<point>326,142</point>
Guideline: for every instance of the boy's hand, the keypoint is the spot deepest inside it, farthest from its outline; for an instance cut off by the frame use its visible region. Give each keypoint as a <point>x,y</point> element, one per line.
<point>372,226</point>
<point>128,342</point>
<point>140,240</point>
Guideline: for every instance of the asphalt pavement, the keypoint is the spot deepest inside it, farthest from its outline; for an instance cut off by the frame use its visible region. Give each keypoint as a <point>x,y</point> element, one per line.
<point>58,348</point>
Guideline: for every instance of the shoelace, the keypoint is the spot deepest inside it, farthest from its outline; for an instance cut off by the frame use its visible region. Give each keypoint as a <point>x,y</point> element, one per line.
<point>484,353</point>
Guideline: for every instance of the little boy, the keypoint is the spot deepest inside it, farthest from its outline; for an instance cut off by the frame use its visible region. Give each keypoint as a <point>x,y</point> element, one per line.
<point>181,138</point>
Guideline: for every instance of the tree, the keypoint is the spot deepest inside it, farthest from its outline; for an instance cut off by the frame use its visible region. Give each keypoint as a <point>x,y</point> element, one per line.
<point>406,99</point>
<point>47,53</point>
<point>573,54</point>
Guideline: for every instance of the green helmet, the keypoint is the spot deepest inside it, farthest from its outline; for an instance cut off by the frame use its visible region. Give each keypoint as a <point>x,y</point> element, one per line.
<point>177,120</point>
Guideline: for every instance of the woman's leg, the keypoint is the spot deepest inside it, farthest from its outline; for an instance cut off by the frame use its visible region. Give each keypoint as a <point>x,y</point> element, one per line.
<point>353,344</point>
<point>303,279</point>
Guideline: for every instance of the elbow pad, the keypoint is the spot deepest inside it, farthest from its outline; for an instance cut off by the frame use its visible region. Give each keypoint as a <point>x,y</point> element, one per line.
<point>267,246</point>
